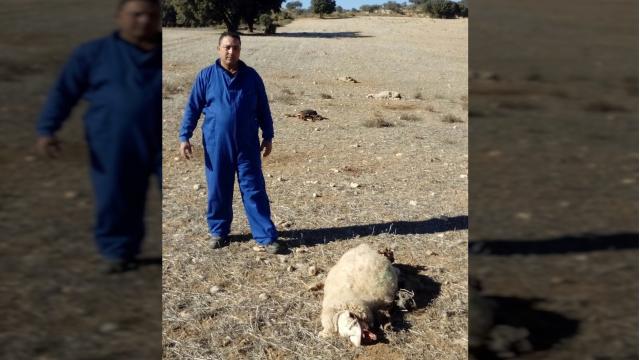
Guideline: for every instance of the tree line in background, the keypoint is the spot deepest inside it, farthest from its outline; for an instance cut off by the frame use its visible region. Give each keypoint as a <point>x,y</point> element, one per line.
<point>231,13</point>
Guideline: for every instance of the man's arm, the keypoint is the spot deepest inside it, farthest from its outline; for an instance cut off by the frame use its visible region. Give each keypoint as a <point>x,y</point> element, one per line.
<point>265,121</point>
<point>194,107</point>
<point>63,96</point>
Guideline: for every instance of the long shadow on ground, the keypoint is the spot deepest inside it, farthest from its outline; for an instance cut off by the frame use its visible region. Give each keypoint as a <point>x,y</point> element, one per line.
<point>320,35</point>
<point>508,325</point>
<point>312,237</point>
<point>560,245</point>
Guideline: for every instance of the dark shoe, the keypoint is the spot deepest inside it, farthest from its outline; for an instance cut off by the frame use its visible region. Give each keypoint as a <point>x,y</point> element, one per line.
<point>216,242</point>
<point>276,247</point>
<point>118,266</point>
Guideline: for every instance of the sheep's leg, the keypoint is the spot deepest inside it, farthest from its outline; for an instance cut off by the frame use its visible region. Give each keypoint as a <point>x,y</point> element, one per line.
<point>327,324</point>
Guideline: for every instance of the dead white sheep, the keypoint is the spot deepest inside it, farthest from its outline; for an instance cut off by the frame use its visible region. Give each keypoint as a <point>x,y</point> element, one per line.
<point>360,283</point>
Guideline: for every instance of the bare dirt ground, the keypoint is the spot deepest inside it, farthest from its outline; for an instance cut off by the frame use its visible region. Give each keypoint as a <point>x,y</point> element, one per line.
<point>55,303</point>
<point>401,186</point>
<point>554,173</point>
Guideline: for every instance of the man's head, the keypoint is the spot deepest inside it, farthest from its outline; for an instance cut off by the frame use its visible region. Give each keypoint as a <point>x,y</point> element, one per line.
<point>139,19</point>
<point>229,49</point>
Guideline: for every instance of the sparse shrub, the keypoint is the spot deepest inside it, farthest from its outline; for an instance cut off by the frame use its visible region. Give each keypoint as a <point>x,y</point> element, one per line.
<point>267,22</point>
<point>286,96</point>
<point>418,96</point>
<point>369,8</point>
<point>442,9</point>
<point>377,122</point>
<point>604,106</point>
<point>450,118</point>
<point>326,96</point>
<point>410,117</point>
<point>393,6</point>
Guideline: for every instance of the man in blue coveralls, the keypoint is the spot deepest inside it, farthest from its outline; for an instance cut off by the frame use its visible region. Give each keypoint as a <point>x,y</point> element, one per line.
<point>233,99</point>
<point>121,78</point>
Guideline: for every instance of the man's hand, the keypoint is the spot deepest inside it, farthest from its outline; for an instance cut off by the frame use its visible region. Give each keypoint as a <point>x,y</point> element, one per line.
<point>48,146</point>
<point>185,150</point>
<point>266,146</point>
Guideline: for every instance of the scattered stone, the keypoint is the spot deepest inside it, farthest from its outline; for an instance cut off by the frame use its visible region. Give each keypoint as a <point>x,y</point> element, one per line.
<point>399,154</point>
<point>354,185</point>
<point>258,248</point>
<point>463,176</point>
<point>385,95</point>
<point>332,185</point>
<point>312,271</point>
<point>70,194</point>
<point>280,178</point>
<point>290,268</point>
<point>263,297</point>
<point>316,195</point>
<point>196,187</point>
<point>523,216</point>
<point>214,289</point>
<point>176,159</point>
<point>108,327</point>
<point>429,253</point>
<point>413,203</point>
<point>226,341</point>
<point>315,286</point>
<point>301,250</point>
<point>29,158</point>
<point>282,258</point>
<point>348,79</point>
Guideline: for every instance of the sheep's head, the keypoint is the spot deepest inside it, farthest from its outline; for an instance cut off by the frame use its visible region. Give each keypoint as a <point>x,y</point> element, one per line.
<point>356,330</point>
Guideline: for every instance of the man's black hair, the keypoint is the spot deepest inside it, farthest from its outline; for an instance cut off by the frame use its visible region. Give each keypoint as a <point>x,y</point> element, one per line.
<point>232,34</point>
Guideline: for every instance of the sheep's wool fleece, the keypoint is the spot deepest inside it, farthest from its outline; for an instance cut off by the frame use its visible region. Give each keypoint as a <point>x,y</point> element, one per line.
<point>362,281</point>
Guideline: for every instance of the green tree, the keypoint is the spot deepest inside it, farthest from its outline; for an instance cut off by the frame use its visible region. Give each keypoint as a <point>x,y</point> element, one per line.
<point>228,12</point>
<point>369,8</point>
<point>294,6</point>
<point>464,9</point>
<point>323,6</point>
<point>393,6</point>
<point>168,13</point>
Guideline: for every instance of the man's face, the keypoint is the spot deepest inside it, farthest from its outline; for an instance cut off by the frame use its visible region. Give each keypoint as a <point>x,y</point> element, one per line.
<point>139,19</point>
<point>229,51</point>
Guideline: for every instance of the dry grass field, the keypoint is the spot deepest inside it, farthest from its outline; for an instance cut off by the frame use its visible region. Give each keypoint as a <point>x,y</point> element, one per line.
<point>390,173</point>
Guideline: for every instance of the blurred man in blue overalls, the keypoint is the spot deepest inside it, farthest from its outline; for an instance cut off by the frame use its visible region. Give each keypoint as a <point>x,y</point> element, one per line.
<point>120,76</point>
<point>233,99</point>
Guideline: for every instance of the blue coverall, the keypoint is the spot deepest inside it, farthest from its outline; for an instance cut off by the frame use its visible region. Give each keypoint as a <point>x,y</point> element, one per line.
<point>234,107</point>
<point>123,128</point>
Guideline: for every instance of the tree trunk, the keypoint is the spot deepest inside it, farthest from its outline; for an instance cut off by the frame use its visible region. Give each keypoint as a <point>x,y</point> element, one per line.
<point>250,24</point>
